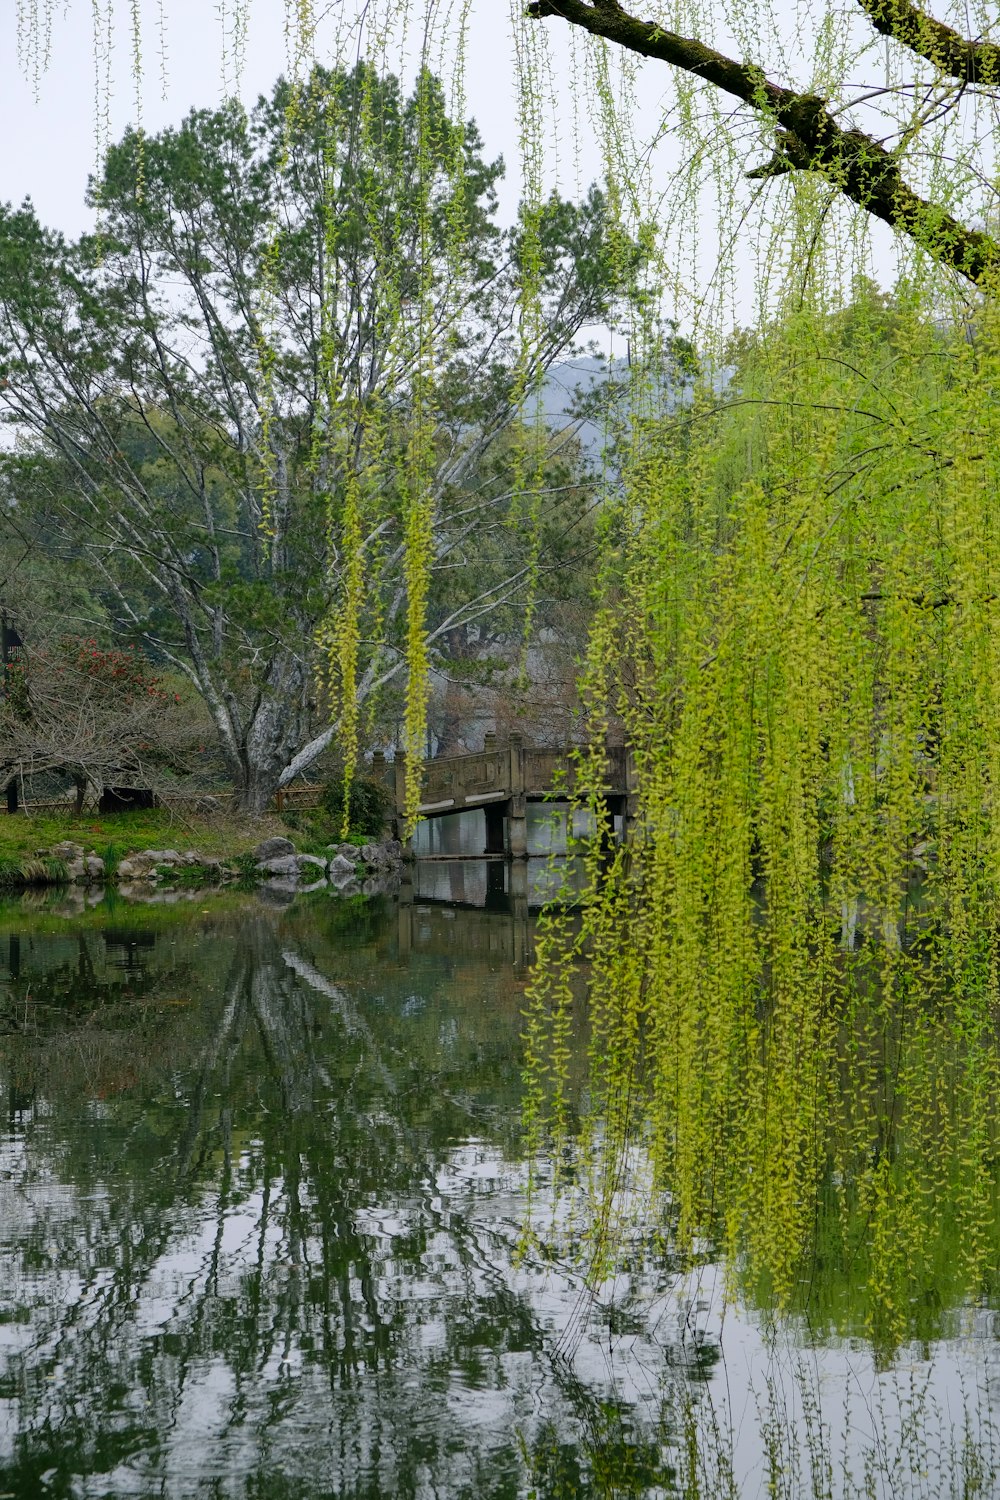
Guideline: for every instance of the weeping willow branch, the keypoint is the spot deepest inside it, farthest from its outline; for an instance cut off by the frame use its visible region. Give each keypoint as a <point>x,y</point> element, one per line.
<point>809,138</point>
<point>952,54</point>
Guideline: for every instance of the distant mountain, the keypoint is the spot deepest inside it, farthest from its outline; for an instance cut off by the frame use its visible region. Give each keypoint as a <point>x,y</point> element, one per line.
<point>586,376</point>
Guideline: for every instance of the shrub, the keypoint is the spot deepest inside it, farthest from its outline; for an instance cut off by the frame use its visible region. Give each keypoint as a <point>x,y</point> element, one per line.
<point>245,866</point>
<point>369,806</point>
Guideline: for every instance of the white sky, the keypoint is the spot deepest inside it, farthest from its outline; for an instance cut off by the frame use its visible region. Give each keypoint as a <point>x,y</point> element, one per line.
<point>50,141</point>
<point>50,147</point>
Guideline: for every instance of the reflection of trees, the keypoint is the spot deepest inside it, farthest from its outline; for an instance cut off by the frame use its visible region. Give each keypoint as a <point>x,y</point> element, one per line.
<point>280,1276</point>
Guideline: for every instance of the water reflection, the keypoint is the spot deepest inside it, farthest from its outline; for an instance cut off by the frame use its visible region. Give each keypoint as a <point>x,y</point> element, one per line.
<point>260,1198</point>
<point>268,1247</point>
<point>551,826</point>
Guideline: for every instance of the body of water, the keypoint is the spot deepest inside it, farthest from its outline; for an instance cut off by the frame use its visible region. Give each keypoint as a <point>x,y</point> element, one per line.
<point>262,1197</point>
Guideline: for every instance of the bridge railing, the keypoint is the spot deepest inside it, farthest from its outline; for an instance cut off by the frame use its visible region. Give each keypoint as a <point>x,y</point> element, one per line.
<point>500,773</point>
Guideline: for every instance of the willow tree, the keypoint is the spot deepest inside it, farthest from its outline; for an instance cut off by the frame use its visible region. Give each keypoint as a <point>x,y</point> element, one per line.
<point>792,967</point>
<point>796,629</point>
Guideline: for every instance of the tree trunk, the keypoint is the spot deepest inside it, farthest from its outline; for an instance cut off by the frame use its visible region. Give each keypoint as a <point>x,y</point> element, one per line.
<point>274,733</point>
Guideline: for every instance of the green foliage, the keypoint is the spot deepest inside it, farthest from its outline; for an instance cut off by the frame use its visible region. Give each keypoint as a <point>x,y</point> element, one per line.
<point>799,640</point>
<point>190,877</point>
<point>362,805</point>
<point>280,510</point>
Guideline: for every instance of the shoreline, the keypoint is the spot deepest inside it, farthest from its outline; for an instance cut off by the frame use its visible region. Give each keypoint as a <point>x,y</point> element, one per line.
<point>347,869</point>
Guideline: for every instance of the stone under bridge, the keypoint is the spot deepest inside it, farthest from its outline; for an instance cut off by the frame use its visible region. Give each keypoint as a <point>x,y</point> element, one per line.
<point>502,780</point>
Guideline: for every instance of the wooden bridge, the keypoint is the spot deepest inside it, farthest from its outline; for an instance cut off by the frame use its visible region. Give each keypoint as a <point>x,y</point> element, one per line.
<point>502,780</point>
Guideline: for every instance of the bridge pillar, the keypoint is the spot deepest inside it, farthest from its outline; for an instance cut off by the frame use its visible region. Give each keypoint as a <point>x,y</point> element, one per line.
<point>496,813</point>
<point>519,913</point>
<point>517,828</point>
<point>517,819</point>
<point>496,889</point>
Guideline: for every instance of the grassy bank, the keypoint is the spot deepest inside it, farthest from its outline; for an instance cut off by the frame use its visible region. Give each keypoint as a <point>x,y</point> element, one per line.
<point>117,834</point>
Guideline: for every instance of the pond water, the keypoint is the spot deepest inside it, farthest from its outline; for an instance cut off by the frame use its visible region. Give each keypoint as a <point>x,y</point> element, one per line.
<point>261,1195</point>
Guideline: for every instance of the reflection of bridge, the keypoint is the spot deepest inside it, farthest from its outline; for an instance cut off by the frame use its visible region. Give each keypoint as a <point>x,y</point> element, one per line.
<point>502,780</point>
<point>501,928</point>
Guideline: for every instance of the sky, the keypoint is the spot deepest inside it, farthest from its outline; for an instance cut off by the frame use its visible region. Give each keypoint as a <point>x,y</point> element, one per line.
<point>48,120</point>
<point>47,117</point>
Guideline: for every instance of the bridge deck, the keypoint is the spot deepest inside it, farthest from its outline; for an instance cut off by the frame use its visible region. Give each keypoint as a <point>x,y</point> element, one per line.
<point>502,779</point>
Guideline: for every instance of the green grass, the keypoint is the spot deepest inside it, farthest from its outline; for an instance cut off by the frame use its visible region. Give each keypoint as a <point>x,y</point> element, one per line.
<point>189,877</point>
<point>118,834</point>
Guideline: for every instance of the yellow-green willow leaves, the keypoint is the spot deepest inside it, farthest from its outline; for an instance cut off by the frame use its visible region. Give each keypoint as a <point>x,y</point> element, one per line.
<point>792,963</point>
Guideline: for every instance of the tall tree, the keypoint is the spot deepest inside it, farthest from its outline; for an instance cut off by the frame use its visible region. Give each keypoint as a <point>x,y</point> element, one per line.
<point>223,398</point>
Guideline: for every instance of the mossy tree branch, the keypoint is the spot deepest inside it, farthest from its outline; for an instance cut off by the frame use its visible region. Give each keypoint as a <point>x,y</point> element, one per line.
<point>952,54</point>
<point>809,138</point>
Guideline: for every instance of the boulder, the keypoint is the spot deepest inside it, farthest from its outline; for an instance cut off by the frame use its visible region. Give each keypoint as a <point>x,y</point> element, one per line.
<point>284,865</point>
<point>137,867</point>
<point>94,866</point>
<point>274,848</point>
<point>309,864</point>
<point>67,851</point>
<point>163,856</point>
<point>340,869</point>
<point>349,852</point>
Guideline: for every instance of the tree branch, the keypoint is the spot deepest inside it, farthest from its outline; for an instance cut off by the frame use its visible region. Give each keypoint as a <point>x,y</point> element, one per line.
<point>951,53</point>
<point>809,138</point>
